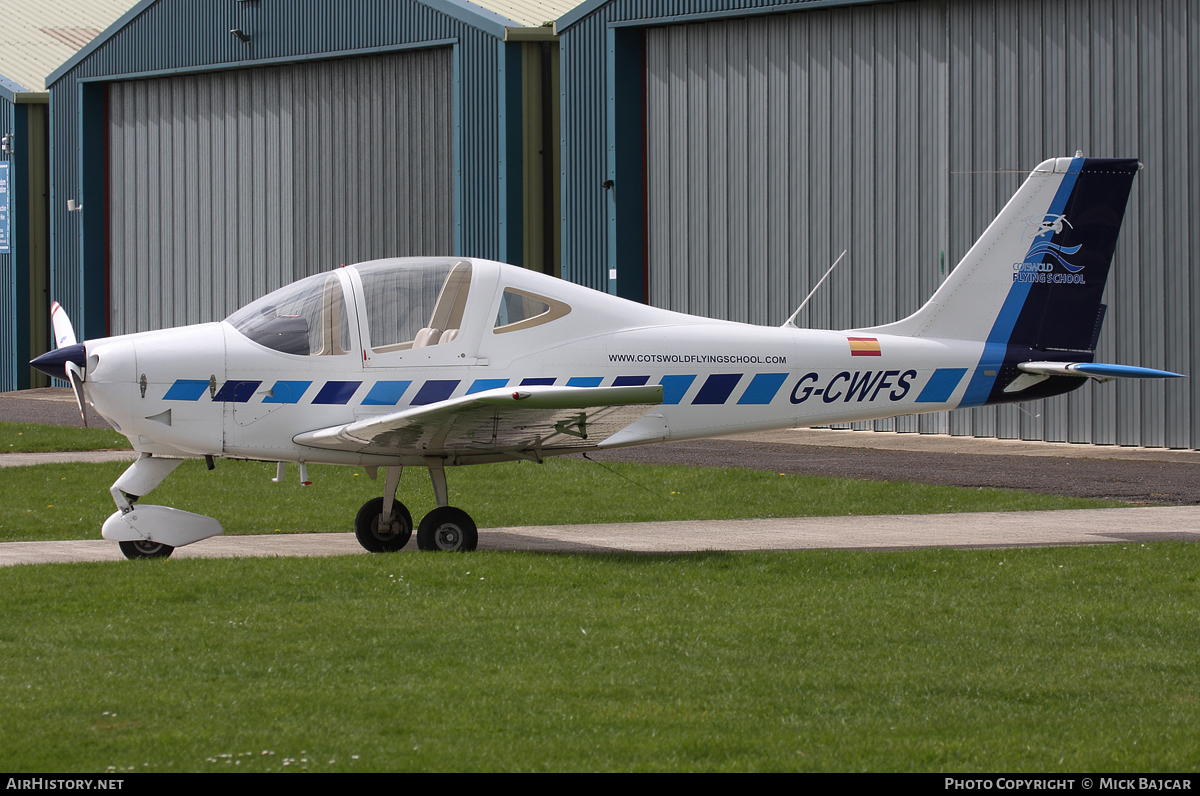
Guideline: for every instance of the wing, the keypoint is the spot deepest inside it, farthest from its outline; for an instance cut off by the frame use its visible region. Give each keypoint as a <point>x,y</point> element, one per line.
<point>495,421</point>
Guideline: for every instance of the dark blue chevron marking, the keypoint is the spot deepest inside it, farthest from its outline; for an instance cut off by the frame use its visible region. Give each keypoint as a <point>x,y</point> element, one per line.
<point>337,392</point>
<point>433,391</point>
<point>717,388</point>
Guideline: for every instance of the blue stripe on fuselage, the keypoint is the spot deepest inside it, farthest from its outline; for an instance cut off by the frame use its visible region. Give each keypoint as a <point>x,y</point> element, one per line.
<point>287,392</point>
<point>479,385</point>
<point>715,389</point>
<point>186,390</point>
<point>763,388</point>
<point>386,393</point>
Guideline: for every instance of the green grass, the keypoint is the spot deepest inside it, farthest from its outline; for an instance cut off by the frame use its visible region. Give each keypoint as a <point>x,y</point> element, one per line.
<point>32,438</point>
<point>1050,659</point>
<point>71,501</point>
<point>1045,659</point>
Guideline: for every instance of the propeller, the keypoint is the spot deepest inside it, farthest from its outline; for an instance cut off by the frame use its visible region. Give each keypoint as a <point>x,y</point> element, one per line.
<point>64,332</point>
<point>75,373</point>
<point>68,360</point>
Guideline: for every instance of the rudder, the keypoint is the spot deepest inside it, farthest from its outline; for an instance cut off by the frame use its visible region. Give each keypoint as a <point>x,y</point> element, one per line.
<point>1069,258</point>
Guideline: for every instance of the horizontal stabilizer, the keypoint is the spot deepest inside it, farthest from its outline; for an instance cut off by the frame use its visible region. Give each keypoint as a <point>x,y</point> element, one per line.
<point>1036,372</point>
<point>1096,370</point>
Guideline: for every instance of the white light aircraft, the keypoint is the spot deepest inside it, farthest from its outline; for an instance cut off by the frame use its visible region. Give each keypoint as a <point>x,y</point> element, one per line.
<point>435,362</point>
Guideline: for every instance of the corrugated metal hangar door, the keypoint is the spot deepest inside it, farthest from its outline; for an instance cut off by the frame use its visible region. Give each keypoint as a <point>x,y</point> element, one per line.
<point>773,143</point>
<point>897,131</point>
<point>224,186</point>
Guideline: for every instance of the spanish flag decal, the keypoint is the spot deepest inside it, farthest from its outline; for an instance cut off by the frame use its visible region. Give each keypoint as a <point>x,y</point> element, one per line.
<point>864,347</point>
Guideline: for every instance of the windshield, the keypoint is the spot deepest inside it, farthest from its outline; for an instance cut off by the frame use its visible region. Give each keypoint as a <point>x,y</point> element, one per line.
<point>307,318</point>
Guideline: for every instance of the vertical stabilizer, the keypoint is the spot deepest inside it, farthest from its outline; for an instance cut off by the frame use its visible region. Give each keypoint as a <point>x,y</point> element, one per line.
<point>1031,285</point>
<point>1036,274</point>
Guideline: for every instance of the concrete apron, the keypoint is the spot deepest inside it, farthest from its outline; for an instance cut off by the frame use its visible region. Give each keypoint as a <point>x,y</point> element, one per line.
<point>887,532</point>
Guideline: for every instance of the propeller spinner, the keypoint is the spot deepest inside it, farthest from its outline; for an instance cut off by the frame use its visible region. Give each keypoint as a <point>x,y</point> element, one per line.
<point>68,360</point>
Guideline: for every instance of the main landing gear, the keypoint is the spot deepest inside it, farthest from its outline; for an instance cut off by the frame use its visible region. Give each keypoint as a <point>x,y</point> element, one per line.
<point>385,525</point>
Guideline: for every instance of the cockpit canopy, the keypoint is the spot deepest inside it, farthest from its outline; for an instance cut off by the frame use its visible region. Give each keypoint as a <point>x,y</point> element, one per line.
<point>404,304</point>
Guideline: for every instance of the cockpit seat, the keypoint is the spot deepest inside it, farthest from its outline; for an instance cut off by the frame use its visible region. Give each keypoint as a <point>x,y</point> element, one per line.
<point>427,337</point>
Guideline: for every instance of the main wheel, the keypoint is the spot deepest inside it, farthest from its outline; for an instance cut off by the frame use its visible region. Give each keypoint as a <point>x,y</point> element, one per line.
<point>447,529</point>
<point>144,549</point>
<point>380,536</point>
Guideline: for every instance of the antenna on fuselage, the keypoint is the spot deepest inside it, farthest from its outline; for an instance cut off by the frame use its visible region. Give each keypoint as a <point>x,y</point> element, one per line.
<point>791,321</point>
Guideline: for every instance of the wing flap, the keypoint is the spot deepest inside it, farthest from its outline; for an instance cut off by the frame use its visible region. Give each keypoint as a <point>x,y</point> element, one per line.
<point>527,418</point>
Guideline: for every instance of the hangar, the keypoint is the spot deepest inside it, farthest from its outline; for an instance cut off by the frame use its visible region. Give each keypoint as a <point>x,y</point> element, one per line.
<point>712,156</point>
<point>749,142</point>
<point>37,37</point>
<point>219,150</point>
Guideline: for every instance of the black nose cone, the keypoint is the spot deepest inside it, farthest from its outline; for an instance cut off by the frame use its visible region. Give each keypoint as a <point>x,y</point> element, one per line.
<point>54,363</point>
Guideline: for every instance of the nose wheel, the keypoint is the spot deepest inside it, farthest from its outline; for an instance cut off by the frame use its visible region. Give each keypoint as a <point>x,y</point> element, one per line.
<point>145,549</point>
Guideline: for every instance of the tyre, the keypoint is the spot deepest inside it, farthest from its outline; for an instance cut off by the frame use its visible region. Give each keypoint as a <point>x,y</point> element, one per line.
<point>378,536</point>
<point>447,529</point>
<point>145,549</point>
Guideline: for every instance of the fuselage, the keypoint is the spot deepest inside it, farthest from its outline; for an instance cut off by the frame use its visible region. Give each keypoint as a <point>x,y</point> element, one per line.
<point>212,390</point>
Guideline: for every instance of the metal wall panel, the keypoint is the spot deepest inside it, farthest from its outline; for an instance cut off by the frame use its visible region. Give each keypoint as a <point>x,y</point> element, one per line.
<point>1191,249</point>
<point>903,128</point>
<point>225,186</point>
<point>1106,78</point>
<point>763,163</point>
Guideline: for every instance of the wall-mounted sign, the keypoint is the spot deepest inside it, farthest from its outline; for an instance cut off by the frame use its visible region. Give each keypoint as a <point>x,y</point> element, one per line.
<point>5,214</point>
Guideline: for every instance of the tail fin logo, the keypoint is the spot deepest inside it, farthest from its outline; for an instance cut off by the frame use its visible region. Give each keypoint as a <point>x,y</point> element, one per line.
<point>1041,233</point>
